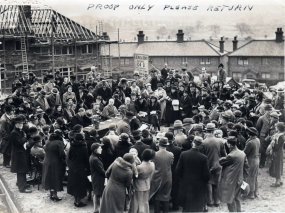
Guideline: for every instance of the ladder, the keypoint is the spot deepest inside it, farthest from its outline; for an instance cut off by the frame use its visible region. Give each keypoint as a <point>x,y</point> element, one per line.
<point>24,54</point>
<point>106,67</point>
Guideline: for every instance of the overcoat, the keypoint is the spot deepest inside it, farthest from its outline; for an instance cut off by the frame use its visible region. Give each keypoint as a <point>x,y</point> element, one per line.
<point>19,162</point>
<point>120,175</point>
<point>232,175</point>
<point>162,179</point>
<point>252,153</point>
<point>193,170</point>
<point>53,165</point>
<point>97,174</point>
<point>6,126</point>
<point>78,163</point>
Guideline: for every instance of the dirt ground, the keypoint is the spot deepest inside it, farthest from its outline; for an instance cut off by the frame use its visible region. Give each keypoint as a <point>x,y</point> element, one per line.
<point>269,200</point>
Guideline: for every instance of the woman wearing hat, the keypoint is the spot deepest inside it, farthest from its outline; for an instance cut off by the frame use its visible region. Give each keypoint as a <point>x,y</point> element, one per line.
<point>78,164</point>
<point>161,99</point>
<point>251,150</point>
<point>120,175</point>
<point>276,151</point>
<point>154,112</point>
<point>54,166</point>
<point>97,174</point>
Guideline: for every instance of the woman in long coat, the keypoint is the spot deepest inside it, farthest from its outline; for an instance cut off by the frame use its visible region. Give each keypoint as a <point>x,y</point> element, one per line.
<point>78,163</point>
<point>276,168</point>
<point>120,175</point>
<point>97,174</point>
<point>54,166</point>
<point>140,200</point>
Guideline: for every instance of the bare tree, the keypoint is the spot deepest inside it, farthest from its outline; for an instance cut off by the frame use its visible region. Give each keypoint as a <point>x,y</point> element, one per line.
<point>216,29</point>
<point>243,28</point>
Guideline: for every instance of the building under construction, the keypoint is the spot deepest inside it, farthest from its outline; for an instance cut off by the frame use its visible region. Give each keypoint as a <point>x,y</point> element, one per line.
<point>43,40</point>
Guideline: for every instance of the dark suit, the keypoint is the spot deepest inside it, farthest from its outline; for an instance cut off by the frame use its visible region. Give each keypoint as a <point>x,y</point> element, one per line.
<point>193,170</point>
<point>19,162</point>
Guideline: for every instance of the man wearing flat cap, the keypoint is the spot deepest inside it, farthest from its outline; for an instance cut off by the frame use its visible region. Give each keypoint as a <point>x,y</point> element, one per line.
<point>263,127</point>
<point>214,149</point>
<point>19,162</point>
<point>193,170</point>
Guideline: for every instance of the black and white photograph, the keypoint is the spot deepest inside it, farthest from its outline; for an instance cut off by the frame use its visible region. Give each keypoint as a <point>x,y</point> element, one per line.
<point>142,106</point>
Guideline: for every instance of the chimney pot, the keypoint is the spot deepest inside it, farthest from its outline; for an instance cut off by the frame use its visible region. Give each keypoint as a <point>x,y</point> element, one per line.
<point>235,43</point>
<point>279,35</point>
<point>180,36</point>
<point>222,44</point>
<point>140,37</point>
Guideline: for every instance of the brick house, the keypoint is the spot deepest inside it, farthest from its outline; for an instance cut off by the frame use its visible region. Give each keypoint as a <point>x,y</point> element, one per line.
<point>192,55</point>
<point>262,60</point>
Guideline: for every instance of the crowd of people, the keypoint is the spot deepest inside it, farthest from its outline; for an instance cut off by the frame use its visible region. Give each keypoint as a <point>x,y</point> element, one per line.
<point>178,142</point>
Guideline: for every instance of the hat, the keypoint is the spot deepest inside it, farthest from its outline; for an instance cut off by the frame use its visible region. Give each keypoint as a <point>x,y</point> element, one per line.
<point>95,146</point>
<point>79,137</point>
<point>124,136</point>
<point>112,127</point>
<point>268,107</point>
<point>160,135</point>
<point>177,124</point>
<point>137,134</point>
<point>145,133</point>
<point>169,136</point>
<point>136,74</point>
<point>252,130</point>
<point>198,140</point>
<point>163,141</point>
<point>228,102</point>
<point>54,91</point>
<point>77,128</point>
<point>198,127</point>
<point>148,84</point>
<point>251,98</point>
<point>238,127</point>
<point>159,85</point>
<point>36,138</point>
<point>188,121</point>
<point>232,140</point>
<point>235,106</point>
<point>237,113</point>
<point>19,119</point>
<point>221,65</point>
<point>275,114</point>
<point>129,158</point>
<point>153,97</point>
<point>133,93</point>
<point>210,127</point>
<point>202,107</point>
<point>204,69</point>
<point>39,111</point>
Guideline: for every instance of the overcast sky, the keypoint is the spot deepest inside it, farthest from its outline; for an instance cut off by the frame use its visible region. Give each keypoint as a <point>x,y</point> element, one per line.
<point>262,10</point>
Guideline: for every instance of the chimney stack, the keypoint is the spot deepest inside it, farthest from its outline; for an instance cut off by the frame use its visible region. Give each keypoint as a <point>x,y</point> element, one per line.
<point>105,36</point>
<point>222,48</point>
<point>27,12</point>
<point>180,36</point>
<point>140,37</point>
<point>235,43</point>
<point>279,35</point>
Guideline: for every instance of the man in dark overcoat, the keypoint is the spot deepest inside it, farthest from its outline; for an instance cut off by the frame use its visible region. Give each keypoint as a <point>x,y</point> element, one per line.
<point>6,126</point>
<point>19,163</point>
<point>193,170</point>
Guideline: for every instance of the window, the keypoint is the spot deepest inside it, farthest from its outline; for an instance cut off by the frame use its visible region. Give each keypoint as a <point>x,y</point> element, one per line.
<point>127,61</point>
<point>36,50</point>
<point>184,60</point>
<point>1,45</point>
<point>264,61</point>
<point>45,50</point>
<point>122,62</point>
<point>87,49</point>
<point>205,61</point>
<point>66,71</point>
<point>237,76</point>
<point>17,45</point>
<point>242,61</point>
<point>265,75</point>
<point>282,61</point>
<point>165,60</point>
<point>281,76</point>
<point>57,50</point>
<point>67,50</point>
<point>2,67</point>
